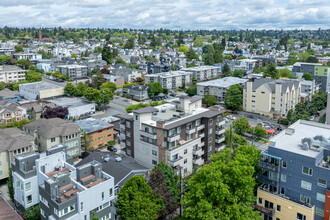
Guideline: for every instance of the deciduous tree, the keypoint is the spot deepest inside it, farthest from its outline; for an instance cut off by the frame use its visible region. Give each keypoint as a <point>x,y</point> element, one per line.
<point>241,125</point>
<point>234,97</point>
<point>209,100</point>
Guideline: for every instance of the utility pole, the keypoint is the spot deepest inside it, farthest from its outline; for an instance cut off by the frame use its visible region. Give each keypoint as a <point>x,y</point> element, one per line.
<point>180,192</point>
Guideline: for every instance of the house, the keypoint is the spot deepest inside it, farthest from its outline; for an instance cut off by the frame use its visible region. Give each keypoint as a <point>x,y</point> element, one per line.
<point>295,173</point>
<point>41,90</point>
<point>9,95</point>
<point>271,97</point>
<point>100,133</point>
<point>50,132</point>
<point>95,56</point>
<point>137,91</point>
<point>118,80</point>
<point>11,73</point>
<point>11,111</point>
<point>14,143</point>
<point>130,75</point>
<point>181,134</point>
<point>35,109</point>
<point>77,107</point>
<point>218,87</point>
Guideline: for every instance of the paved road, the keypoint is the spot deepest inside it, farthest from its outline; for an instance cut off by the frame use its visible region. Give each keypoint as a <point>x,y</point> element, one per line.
<point>116,106</point>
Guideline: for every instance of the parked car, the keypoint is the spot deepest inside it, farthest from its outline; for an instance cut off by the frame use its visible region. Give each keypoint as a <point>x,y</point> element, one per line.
<point>112,148</point>
<point>312,117</point>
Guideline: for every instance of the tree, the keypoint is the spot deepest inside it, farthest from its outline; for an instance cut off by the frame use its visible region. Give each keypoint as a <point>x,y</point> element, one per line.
<point>198,42</point>
<point>241,125</point>
<point>224,189</point>
<point>154,89</point>
<point>209,59</point>
<point>110,85</point>
<point>18,49</point>
<point>226,70</point>
<point>183,49</point>
<point>70,89</point>
<point>285,73</point>
<point>80,89</point>
<point>259,131</point>
<point>272,71</point>
<point>56,112</point>
<point>191,91</point>
<point>24,63</point>
<point>157,184</point>
<point>171,179</point>
<point>98,80</point>
<point>107,53</point>
<point>32,213</point>
<point>120,60</point>
<point>312,59</point>
<point>136,200</point>
<point>238,73</point>
<point>228,57</point>
<point>32,76</point>
<point>129,44</point>
<point>191,55</point>
<point>10,185</point>
<point>307,76</point>
<point>4,59</point>
<point>234,97</point>
<point>74,56</point>
<point>303,56</point>
<point>209,100</point>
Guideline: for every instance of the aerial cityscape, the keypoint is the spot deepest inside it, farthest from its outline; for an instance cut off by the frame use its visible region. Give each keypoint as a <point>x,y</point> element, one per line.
<point>183,110</point>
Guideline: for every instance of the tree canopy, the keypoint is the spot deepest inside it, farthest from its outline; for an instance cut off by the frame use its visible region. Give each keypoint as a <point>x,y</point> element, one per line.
<point>209,100</point>
<point>191,91</point>
<point>241,125</point>
<point>307,76</point>
<point>234,97</point>
<point>154,89</point>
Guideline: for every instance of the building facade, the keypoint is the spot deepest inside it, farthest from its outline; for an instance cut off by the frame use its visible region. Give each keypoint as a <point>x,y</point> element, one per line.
<point>30,56</point>
<point>41,90</point>
<point>202,73</point>
<point>170,80</point>
<point>73,71</point>
<point>11,73</point>
<point>10,111</point>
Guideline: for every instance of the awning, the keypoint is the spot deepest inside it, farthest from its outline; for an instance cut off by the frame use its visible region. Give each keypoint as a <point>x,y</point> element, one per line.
<point>268,155</point>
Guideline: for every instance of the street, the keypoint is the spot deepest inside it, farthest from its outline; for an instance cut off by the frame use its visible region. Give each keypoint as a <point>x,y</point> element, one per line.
<point>116,106</point>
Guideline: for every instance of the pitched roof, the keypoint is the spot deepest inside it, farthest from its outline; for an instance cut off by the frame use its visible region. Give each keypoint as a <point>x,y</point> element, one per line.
<point>53,127</point>
<point>7,93</point>
<point>270,84</point>
<point>13,138</point>
<point>148,109</point>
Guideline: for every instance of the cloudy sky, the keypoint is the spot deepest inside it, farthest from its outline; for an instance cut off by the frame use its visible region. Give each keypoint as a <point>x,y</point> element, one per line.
<point>173,14</point>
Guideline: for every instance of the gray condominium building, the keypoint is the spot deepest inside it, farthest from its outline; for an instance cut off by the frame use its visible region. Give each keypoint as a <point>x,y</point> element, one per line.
<point>180,134</point>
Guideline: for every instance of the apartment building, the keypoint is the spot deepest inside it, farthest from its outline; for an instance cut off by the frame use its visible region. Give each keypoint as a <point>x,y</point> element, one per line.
<point>271,97</point>
<point>308,89</point>
<point>202,73</point>
<point>11,73</point>
<point>30,56</point>
<point>170,80</point>
<point>50,132</point>
<point>11,111</point>
<point>296,171</point>
<point>62,190</point>
<point>99,132</point>
<point>14,143</point>
<point>218,87</point>
<point>127,136</point>
<point>180,134</point>
<point>41,90</point>
<point>73,71</point>
<point>137,91</point>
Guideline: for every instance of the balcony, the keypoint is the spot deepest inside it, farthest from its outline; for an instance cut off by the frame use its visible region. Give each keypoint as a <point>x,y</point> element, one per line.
<point>191,131</point>
<point>198,161</point>
<point>264,210</point>
<point>201,135</point>
<point>201,144</point>
<point>174,163</point>
<point>149,135</point>
<point>198,151</point>
<point>268,166</point>
<point>220,131</point>
<point>265,179</point>
<point>122,136</point>
<point>122,144</point>
<point>174,137</point>
<point>201,127</point>
<point>220,122</point>
<point>220,140</point>
<point>122,127</point>
<point>220,147</point>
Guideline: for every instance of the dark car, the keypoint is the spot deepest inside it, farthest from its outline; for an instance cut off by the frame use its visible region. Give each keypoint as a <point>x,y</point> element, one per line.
<point>112,148</point>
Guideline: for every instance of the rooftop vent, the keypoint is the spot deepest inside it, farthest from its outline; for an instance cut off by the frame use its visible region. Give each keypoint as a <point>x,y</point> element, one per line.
<point>118,159</point>
<point>289,131</point>
<point>106,159</point>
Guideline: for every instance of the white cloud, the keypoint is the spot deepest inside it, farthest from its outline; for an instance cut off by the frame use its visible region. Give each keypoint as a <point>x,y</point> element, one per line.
<point>174,14</point>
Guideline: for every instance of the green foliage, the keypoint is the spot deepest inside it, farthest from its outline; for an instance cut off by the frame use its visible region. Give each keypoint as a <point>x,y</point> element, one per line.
<point>136,200</point>
<point>198,42</point>
<point>131,108</point>
<point>32,213</point>
<point>10,185</point>
<point>70,89</point>
<point>307,76</point>
<point>33,76</point>
<point>209,100</point>
<point>191,91</point>
<point>110,85</point>
<point>98,80</point>
<point>241,58</point>
<point>107,53</point>
<point>154,89</point>
<point>323,118</point>
<point>285,73</point>
<point>238,73</point>
<point>4,59</point>
<point>241,125</point>
<point>74,56</point>
<point>259,131</point>
<point>59,75</point>
<point>14,124</point>
<point>209,59</point>
<point>228,57</point>
<point>312,59</point>
<point>303,56</point>
<point>224,189</point>
<point>120,60</point>
<point>226,70</point>
<point>234,97</point>
<point>272,71</point>
<point>129,43</point>
<point>183,49</point>
<point>171,179</point>
<point>18,49</point>
<point>24,63</point>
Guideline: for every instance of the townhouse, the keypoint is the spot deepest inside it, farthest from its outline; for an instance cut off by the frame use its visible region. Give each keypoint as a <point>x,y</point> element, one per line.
<point>10,111</point>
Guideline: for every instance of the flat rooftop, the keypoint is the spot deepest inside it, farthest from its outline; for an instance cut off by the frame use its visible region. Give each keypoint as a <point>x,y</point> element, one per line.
<point>169,74</point>
<point>42,85</point>
<point>223,82</point>
<point>92,124</point>
<point>199,68</point>
<point>12,68</point>
<point>302,129</point>
<point>69,101</point>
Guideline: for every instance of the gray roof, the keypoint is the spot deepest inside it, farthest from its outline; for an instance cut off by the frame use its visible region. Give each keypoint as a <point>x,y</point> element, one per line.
<point>6,105</point>
<point>91,124</point>
<point>223,82</point>
<point>7,93</point>
<point>125,116</point>
<point>270,84</point>
<point>148,109</point>
<point>13,138</point>
<point>53,127</point>
<point>138,87</point>
<point>195,98</point>
<point>43,85</point>
<point>121,171</point>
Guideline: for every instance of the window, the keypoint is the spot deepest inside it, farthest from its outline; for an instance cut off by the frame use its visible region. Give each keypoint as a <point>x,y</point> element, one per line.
<point>210,148</point>
<point>282,190</point>
<point>178,130</point>
<point>154,152</point>
<point>128,142</point>
<point>269,205</point>
<point>52,140</point>
<point>301,216</point>
<point>66,210</point>
<point>188,137</point>
<point>262,92</point>
<point>305,199</point>
<point>102,196</point>
<point>185,161</point>
<point>210,139</point>
<point>197,122</point>
<point>307,171</point>
<point>306,185</point>
<point>28,186</point>
<point>81,207</point>
<point>319,211</point>
<point>128,133</point>
<point>109,135</point>
<point>320,197</point>
<point>283,164</point>
<point>210,131</point>
<point>189,126</point>
<point>110,191</point>
<point>129,152</point>
<point>185,151</point>
<point>18,183</point>
<point>278,208</point>
<point>42,212</point>
<point>278,219</point>
<point>283,177</point>
<point>260,200</point>
<point>210,121</point>
<point>322,183</point>
<point>128,124</point>
<point>100,138</point>
<point>29,199</point>
<point>154,162</point>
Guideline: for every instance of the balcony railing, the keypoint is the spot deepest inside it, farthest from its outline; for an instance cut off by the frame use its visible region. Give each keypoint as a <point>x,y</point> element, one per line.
<point>175,162</point>
<point>268,166</point>
<point>220,140</point>
<point>149,135</point>
<point>198,161</point>
<point>200,127</point>
<point>220,131</point>
<point>175,137</point>
<point>190,131</point>
<point>265,179</point>
<point>198,151</point>
<point>264,210</point>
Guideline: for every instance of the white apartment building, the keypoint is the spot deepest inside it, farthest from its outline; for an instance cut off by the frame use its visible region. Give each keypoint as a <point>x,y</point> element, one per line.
<point>11,73</point>
<point>73,71</point>
<point>30,56</point>
<point>170,80</point>
<point>271,97</point>
<point>202,73</point>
